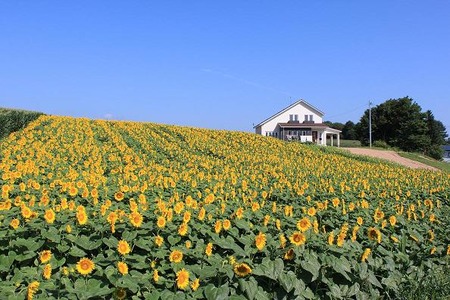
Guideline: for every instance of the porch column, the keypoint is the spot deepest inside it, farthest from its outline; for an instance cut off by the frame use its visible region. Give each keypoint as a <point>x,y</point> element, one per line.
<point>338,140</point>
<point>331,139</point>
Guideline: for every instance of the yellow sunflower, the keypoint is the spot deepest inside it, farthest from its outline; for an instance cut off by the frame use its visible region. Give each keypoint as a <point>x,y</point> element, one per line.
<point>260,241</point>
<point>297,238</point>
<point>123,247</point>
<point>122,268</point>
<point>374,234</point>
<point>136,219</point>
<point>242,269</point>
<point>47,273</point>
<point>14,223</point>
<point>49,216</point>
<point>176,256</point>
<point>365,254</point>
<point>209,249</point>
<point>45,256</point>
<point>85,266</point>
<point>195,284</point>
<point>304,224</point>
<point>182,279</point>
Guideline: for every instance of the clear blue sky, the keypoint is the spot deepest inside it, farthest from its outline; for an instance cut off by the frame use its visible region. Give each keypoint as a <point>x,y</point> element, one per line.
<point>222,64</point>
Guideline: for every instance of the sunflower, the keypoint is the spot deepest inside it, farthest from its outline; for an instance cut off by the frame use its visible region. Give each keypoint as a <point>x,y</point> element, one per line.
<point>45,256</point>
<point>260,241</point>
<point>176,256</point>
<point>188,244</point>
<point>82,217</point>
<point>297,238</point>
<point>47,271</point>
<point>365,254</point>
<point>209,249</point>
<point>201,214</point>
<point>183,229</point>
<point>155,276</point>
<point>119,196</point>
<point>304,224</point>
<point>159,240</point>
<point>226,224</point>
<point>186,216</point>
<point>392,220</point>
<point>289,255</point>
<point>122,268</point>
<point>331,238</point>
<point>14,223</point>
<point>242,269</point>
<point>311,211</point>
<point>359,221</point>
<point>161,222</point>
<point>32,289</point>
<point>240,213</point>
<point>26,212</point>
<point>374,234</point>
<point>73,191</point>
<point>282,241</point>
<point>85,266</point>
<point>195,284</point>
<point>218,226</point>
<point>49,216</point>
<point>136,219</point>
<point>120,294</point>
<point>123,247</point>
<point>182,279</point>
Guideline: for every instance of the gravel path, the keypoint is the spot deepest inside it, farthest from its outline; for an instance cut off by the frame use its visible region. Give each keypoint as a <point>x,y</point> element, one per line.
<point>391,156</point>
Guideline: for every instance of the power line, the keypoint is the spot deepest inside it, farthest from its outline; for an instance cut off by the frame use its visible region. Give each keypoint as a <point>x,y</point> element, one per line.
<point>347,112</point>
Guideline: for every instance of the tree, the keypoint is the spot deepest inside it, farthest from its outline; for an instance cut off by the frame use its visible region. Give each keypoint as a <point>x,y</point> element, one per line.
<point>437,133</point>
<point>349,131</point>
<point>401,123</point>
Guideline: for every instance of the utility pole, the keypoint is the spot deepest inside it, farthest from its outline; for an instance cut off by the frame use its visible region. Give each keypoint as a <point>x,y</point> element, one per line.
<point>370,124</point>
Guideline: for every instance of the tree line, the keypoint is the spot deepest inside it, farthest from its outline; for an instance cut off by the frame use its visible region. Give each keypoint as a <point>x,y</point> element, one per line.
<point>398,123</point>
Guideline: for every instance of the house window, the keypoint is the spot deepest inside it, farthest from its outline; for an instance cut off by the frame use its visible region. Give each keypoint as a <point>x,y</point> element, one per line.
<point>291,117</point>
<point>310,117</point>
<point>295,117</point>
<point>306,118</point>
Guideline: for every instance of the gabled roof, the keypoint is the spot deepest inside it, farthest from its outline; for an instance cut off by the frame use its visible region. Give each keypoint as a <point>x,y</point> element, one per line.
<point>302,102</point>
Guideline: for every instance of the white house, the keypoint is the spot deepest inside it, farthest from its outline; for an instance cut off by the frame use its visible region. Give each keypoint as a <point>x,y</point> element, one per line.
<point>446,156</point>
<point>300,121</point>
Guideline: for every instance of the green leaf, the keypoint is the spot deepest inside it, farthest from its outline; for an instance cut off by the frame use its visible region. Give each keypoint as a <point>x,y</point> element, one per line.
<point>312,266</point>
<point>287,280</point>
<point>269,268</point>
<point>173,240</point>
<point>77,252</point>
<point>249,287</point>
<point>51,234</point>
<point>129,235</point>
<point>373,280</point>
<point>212,292</point>
<point>111,242</point>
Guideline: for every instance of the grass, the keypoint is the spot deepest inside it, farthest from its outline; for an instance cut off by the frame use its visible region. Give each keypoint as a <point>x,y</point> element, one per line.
<point>350,143</point>
<point>441,165</point>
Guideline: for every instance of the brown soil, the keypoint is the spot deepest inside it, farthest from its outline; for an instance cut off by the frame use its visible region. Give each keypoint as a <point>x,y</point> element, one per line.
<point>391,156</point>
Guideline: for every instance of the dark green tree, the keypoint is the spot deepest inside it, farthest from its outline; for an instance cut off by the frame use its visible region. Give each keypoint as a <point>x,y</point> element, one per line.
<point>401,123</point>
<point>349,131</point>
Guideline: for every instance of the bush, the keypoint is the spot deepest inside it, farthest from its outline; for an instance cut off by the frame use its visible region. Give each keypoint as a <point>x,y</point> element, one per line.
<point>380,144</point>
<point>435,151</point>
<point>12,120</point>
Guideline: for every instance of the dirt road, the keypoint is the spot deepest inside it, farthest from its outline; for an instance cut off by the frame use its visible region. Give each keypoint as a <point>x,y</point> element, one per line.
<point>391,156</point>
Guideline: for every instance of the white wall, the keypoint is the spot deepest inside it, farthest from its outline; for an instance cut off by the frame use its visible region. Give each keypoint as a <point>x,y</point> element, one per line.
<point>299,110</point>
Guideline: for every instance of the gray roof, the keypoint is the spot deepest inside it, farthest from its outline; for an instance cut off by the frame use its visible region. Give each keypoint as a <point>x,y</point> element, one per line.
<point>446,147</point>
<point>319,112</point>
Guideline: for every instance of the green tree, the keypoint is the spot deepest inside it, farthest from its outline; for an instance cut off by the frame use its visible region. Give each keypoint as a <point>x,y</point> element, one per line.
<point>349,131</point>
<point>401,123</point>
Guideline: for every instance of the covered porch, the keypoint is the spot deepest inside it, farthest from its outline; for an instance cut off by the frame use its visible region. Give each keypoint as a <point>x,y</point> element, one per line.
<point>313,133</point>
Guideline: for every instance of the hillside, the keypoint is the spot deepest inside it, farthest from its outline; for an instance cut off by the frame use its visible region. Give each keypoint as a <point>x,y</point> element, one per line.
<point>156,211</point>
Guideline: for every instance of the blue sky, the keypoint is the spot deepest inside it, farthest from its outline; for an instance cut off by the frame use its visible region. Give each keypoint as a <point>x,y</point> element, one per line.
<point>222,64</point>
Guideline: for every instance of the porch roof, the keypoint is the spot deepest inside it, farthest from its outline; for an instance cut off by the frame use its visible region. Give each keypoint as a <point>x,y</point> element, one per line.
<point>310,126</point>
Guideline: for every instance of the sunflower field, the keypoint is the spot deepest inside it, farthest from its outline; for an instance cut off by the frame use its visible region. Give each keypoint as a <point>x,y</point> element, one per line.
<point>94,209</point>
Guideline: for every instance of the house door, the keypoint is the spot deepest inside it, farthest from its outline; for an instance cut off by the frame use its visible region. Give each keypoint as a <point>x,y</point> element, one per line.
<point>314,136</point>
